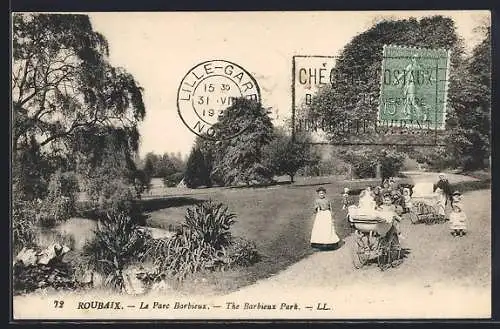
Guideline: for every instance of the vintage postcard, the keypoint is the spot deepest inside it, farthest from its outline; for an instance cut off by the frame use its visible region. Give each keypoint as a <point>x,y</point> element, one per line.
<point>251,165</point>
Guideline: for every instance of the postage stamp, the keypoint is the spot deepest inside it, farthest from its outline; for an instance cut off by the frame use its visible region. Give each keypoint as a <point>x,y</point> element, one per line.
<point>408,107</point>
<point>153,179</point>
<point>207,90</point>
<point>414,86</point>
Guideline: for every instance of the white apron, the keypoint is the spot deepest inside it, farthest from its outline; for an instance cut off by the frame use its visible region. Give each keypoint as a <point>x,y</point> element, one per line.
<point>323,231</point>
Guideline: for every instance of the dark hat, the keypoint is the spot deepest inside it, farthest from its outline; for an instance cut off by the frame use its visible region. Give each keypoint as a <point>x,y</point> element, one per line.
<point>457,193</point>
<point>387,195</point>
<point>321,189</point>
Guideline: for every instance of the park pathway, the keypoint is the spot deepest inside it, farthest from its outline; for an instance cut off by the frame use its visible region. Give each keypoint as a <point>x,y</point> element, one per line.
<point>441,276</point>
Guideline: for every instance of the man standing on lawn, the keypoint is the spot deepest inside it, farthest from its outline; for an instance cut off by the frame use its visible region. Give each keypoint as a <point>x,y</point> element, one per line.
<point>443,190</point>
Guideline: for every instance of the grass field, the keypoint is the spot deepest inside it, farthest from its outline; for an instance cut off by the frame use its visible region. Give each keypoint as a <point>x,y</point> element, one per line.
<point>440,276</point>
<point>278,218</point>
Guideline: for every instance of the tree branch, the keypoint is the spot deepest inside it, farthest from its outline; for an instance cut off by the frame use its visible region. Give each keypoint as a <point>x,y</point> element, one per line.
<point>70,130</point>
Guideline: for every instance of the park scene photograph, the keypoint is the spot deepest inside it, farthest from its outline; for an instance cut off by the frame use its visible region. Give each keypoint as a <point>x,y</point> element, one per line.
<point>250,165</point>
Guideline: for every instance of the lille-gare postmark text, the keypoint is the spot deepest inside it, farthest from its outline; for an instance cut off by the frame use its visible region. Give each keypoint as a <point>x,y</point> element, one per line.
<point>208,89</point>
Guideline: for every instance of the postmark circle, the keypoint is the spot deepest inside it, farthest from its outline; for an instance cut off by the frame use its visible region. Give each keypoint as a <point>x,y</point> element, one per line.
<point>207,90</point>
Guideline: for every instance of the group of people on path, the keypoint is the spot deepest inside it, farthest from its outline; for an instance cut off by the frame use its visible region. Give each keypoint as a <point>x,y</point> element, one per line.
<point>387,197</point>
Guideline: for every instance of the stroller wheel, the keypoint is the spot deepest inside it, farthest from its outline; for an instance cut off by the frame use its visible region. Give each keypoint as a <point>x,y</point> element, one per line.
<point>413,217</point>
<point>395,251</point>
<point>360,254</point>
<point>384,255</point>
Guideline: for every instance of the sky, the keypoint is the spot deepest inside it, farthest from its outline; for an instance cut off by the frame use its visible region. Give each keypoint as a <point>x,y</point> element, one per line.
<point>159,49</point>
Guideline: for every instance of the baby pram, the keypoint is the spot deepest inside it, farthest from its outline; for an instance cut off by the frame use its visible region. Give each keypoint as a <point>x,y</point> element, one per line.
<point>375,237</point>
<point>425,208</point>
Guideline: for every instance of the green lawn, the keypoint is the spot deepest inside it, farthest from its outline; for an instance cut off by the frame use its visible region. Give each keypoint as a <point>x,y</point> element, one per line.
<point>277,218</point>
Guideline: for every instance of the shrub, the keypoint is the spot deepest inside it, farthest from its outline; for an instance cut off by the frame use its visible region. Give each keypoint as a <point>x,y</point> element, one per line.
<point>436,158</point>
<point>110,188</point>
<point>364,161</point>
<point>327,162</point>
<point>173,179</point>
<point>116,196</point>
<point>117,243</point>
<point>243,252</point>
<point>184,254</point>
<point>204,243</point>
<point>31,278</point>
<point>210,222</point>
<point>59,205</point>
<point>24,221</point>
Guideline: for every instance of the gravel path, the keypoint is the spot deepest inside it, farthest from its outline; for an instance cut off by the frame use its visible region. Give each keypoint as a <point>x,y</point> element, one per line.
<point>441,276</point>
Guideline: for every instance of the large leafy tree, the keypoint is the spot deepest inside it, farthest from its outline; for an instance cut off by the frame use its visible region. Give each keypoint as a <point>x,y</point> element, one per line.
<point>285,154</point>
<point>64,91</point>
<point>356,78</point>
<point>470,129</point>
<point>469,116</point>
<point>62,81</point>
<point>244,129</point>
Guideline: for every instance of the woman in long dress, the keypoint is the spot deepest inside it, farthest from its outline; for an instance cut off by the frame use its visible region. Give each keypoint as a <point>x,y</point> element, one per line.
<point>323,235</point>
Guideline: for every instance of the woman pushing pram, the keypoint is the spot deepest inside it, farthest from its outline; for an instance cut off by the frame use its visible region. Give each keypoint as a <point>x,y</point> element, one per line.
<point>377,230</point>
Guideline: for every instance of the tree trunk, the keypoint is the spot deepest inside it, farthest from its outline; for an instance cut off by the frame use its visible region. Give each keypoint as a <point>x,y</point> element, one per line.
<point>291,177</point>
<point>378,171</point>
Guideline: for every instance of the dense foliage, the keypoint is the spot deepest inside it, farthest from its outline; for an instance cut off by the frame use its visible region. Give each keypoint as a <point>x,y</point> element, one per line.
<point>285,154</point>
<point>205,243</point>
<point>364,162</point>
<point>59,204</point>
<point>244,128</point>
<point>197,171</point>
<point>118,242</point>
<point>356,79</point>
<point>67,101</point>
<point>168,167</point>
<point>251,156</point>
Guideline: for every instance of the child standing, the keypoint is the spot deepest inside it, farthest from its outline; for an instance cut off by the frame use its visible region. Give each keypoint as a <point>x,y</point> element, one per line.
<point>377,191</point>
<point>458,218</point>
<point>323,235</point>
<point>346,200</point>
<point>407,200</point>
<point>389,206</point>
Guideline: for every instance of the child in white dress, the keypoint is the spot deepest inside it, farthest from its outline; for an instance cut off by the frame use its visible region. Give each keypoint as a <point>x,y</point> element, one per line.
<point>408,205</point>
<point>323,235</point>
<point>458,218</point>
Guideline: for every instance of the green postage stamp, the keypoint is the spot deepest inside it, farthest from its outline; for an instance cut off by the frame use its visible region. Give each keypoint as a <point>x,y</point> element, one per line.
<point>413,88</point>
